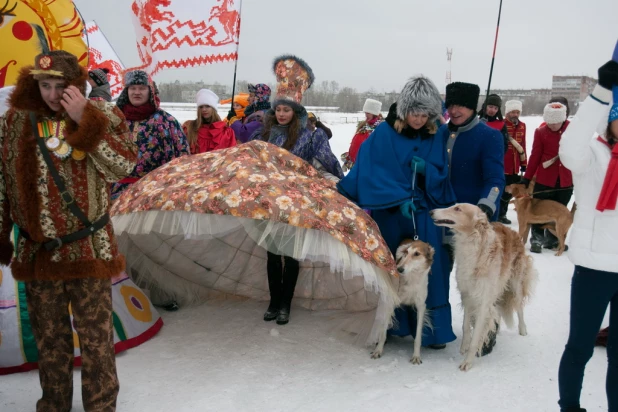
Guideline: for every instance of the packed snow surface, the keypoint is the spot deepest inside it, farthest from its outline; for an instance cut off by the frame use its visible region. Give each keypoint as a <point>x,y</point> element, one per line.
<point>222,356</point>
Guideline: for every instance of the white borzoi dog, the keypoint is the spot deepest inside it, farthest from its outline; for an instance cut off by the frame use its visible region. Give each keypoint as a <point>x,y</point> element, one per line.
<point>414,260</point>
<point>494,275</point>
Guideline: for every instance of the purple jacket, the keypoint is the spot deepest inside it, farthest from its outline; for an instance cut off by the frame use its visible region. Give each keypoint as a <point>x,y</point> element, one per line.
<point>244,129</point>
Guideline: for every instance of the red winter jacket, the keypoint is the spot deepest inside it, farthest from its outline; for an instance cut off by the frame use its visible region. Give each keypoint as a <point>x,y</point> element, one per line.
<point>545,147</point>
<point>496,124</point>
<point>363,131</point>
<point>512,160</point>
<point>214,136</point>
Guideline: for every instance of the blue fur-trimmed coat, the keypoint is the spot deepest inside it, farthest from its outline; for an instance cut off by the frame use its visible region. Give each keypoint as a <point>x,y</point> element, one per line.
<point>382,179</point>
<point>476,159</point>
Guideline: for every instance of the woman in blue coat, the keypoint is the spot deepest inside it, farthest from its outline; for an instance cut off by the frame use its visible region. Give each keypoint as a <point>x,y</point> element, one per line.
<point>401,172</point>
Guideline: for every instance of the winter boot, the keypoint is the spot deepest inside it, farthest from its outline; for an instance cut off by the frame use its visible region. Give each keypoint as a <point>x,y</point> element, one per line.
<point>290,277</point>
<point>602,337</point>
<point>551,241</point>
<point>283,316</point>
<point>504,220</point>
<point>573,409</point>
<point>537,239</point>
<point>437,346</point>
<point>536,248</point>
<point>274,268</point>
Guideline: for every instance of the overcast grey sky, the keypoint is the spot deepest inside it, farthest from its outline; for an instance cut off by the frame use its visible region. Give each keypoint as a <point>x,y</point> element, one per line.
<point>380,43</point>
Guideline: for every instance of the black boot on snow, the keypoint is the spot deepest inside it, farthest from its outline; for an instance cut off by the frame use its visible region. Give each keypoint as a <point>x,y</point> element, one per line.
<point>271,313</point>
<point>284,315</point>
<point>274,268</point>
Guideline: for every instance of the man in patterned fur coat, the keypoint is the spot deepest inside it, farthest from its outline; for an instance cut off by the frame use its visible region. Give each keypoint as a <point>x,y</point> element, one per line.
<point>52,136</point>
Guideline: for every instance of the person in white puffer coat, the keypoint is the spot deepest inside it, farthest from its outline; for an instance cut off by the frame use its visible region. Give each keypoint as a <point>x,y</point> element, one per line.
<point>593,160</point>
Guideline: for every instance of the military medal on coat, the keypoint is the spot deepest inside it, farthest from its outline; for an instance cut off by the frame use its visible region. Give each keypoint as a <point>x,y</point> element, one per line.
<point>53,134</point>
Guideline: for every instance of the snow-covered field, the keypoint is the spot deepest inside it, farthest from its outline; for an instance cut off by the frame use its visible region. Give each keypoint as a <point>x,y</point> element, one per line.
<point>223,357</point>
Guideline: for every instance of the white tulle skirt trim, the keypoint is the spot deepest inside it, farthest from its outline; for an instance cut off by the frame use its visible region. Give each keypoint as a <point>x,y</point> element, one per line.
<point>194,257</point>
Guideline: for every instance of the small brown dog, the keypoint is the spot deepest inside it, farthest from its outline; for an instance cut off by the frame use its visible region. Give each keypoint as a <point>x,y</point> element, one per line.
<point>556,217</point>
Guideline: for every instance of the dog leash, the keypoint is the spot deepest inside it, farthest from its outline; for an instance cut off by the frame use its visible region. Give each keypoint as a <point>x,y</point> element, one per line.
<point>413,186</point>
<point>552,190</point>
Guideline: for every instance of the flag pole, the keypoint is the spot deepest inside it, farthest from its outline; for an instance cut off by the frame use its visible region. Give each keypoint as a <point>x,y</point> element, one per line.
<point>493,57</point>
<point>237,47</point>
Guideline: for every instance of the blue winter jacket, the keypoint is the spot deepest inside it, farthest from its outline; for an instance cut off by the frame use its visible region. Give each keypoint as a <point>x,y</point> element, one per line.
<point>476,159</point>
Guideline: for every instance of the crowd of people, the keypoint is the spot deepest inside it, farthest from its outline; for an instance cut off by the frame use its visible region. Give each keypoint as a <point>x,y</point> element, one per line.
<point>401,167</point>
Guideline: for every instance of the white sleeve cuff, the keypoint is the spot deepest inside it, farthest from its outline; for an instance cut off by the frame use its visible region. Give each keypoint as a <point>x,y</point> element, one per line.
<point>602,94</point>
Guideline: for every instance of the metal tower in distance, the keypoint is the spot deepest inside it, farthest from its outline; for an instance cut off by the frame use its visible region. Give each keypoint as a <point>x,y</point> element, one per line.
<point>449,58</point>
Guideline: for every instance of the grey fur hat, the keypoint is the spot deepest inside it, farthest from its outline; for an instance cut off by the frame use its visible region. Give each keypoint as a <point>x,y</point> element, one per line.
<point>419,95</point>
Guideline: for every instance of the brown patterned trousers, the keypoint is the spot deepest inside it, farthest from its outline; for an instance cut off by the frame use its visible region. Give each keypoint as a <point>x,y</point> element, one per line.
<point>91,304</point>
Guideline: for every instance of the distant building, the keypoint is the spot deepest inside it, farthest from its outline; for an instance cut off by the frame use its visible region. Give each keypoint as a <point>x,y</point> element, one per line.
<point>574,88</point>
<point>520,94</point>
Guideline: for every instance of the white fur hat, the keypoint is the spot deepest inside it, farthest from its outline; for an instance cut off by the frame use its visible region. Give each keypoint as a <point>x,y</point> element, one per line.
<point>554,113</point>
<point>207,97</point>
<point>372,106</point>
<point>512,105</point>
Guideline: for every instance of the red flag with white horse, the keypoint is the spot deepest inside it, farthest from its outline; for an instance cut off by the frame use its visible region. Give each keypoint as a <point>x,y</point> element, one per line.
<point>175,34</point>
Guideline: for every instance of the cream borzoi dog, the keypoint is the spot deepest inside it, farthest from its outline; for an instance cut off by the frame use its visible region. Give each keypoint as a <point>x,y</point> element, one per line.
<point>494,275</point>
<point>414,260</point>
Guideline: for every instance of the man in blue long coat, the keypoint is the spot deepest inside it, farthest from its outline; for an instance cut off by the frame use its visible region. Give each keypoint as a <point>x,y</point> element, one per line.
<point>475,155</point>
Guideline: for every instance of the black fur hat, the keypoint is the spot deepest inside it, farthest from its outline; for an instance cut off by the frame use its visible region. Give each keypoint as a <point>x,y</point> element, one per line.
<point>462,94</point>
<point>493,100</point>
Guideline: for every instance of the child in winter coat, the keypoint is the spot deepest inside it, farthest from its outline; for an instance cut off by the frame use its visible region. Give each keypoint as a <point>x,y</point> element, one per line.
<point>208,132</point>
<point>593,161</point>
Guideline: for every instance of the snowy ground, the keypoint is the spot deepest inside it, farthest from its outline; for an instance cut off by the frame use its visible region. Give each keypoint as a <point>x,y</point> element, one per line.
<point>218,357</point>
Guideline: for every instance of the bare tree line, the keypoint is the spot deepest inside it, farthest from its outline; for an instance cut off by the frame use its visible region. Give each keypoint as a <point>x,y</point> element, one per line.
<point>324,94</point>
